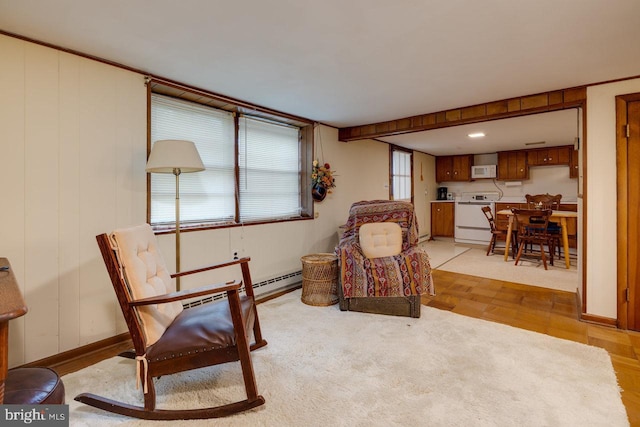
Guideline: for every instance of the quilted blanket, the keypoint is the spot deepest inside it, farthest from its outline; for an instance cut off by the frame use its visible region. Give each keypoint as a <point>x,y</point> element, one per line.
<point>405,274</point>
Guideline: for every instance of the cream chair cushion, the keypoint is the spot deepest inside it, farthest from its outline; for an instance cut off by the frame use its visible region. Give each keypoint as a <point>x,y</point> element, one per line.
<point>380,239</point>
<point>146,275</point>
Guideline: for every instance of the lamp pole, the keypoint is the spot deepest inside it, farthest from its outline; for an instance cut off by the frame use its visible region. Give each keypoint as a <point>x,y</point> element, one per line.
<point>176,172</point>
<point>177,157</point>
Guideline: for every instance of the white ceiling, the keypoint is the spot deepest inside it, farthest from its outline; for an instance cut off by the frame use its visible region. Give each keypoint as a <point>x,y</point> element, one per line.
<point>350,62</point>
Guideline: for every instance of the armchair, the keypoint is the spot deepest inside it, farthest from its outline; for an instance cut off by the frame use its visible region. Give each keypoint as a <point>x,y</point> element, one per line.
<point>389,284</point>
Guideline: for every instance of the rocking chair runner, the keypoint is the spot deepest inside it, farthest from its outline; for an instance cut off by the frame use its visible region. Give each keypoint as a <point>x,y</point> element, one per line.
<point>169,339</point>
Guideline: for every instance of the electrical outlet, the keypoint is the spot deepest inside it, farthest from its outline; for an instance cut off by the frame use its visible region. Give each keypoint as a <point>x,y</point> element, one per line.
<point>234,253</point>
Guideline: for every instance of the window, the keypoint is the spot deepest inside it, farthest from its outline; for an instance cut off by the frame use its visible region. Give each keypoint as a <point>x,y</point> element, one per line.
<point>401,174</point>
<point>269,162</point>
<point>263,183</point>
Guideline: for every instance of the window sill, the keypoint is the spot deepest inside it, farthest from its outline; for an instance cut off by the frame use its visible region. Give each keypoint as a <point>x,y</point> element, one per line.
<point>159,229</point>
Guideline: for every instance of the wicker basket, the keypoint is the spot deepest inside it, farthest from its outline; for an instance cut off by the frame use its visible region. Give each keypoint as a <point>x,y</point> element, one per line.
<point>319,279</point>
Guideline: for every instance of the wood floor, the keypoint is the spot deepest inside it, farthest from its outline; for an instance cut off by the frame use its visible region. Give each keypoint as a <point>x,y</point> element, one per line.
<point>546,311</point>
<point>542,310</point>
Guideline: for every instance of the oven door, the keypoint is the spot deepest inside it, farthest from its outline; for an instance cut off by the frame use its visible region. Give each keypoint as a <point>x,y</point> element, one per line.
<point>471,226</point>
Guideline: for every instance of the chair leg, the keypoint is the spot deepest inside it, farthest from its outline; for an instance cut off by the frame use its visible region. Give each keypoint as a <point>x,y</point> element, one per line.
<point>492,243</point>
<point>242,344</point>
<point>543,255</point>
<point>519,252</point>
<point>150,395</point>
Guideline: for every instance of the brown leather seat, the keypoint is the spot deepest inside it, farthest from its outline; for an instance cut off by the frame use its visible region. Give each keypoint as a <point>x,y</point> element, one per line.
<point>33,386</point>
<point>200,329</point>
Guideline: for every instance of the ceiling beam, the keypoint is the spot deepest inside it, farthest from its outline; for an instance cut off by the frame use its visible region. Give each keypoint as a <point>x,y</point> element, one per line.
<point>513,107</point>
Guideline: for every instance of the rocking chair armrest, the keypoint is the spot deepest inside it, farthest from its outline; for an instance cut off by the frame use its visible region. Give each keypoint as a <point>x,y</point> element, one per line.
<point>212,267</point>
<point>233,285</point>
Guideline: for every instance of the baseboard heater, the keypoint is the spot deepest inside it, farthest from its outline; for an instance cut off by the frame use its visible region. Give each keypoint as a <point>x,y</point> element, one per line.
<point>262,288</point>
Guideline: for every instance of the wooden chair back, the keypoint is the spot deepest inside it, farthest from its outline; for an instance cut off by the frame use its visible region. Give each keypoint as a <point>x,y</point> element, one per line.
<point>532,229</point>
<point>543,201</point>
<point>486,210</point>
<point>532,223</point>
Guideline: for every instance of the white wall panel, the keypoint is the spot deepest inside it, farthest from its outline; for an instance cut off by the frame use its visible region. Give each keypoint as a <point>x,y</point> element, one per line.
<point>424,189</point>
<point>41,200</point>
<point>69,233</point>
<point>130,149</point>
<point>73,135</point>
<point>12,175</point>
<point>104,172</point>
<point>601,192</point>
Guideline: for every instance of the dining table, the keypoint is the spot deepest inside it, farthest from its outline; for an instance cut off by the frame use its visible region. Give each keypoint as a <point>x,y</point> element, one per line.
<point>556,216</point>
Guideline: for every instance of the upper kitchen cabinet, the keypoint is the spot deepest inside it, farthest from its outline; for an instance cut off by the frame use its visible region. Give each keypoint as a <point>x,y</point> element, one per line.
<point>574,170</point>
<point>454,168</point>
<point>512,165</point>
<point>549,156</point>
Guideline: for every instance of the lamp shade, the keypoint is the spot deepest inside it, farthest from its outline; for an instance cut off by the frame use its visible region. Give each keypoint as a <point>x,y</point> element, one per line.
<point>169,154</point>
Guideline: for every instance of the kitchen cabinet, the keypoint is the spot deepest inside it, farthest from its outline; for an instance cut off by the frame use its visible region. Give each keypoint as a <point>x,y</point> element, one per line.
<point>574,169</point>
<point>442,219</point>
<point>549,156</point>
<point>444,168</point>
<point>454,168</point>
<point>512,165</point>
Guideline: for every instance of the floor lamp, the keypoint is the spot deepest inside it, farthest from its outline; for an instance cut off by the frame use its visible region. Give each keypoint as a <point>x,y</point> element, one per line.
<point>176,157</point>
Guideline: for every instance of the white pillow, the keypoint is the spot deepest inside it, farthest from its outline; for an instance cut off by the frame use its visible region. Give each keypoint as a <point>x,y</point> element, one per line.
<point>380,239</point>
<point>147,276</point>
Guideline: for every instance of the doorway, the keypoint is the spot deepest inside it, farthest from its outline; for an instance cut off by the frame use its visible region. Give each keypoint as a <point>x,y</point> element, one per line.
<point>628,209</point>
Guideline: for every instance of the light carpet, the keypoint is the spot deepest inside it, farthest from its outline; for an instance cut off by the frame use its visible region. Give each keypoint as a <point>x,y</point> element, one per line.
<point>326,367</point>
<point>474,261</point>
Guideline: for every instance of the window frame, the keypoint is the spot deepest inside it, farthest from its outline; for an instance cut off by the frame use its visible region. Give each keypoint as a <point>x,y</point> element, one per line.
<point>306,141</point>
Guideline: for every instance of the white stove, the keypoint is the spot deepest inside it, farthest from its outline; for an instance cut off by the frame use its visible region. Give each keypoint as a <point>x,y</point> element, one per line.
<point>471,226</point>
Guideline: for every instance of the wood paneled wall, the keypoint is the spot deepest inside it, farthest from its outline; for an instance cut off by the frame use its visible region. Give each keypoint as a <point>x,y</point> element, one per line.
<point>73,155</point>
<point>547,101</point>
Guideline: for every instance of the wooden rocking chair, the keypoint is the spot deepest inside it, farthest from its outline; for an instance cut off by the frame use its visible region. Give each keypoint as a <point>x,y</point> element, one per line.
<point>169,339</point>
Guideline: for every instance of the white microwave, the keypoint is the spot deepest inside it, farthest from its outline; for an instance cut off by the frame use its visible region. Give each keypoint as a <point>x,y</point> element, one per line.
<point>483,171</point>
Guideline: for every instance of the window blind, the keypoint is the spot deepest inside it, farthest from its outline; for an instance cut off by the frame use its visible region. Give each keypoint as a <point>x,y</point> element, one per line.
<point>401,175</point>
<point>207,196</point>
<point>269,161</point>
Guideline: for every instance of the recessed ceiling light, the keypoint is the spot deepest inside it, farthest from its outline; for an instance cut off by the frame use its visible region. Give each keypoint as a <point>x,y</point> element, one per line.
<point>476,135</point>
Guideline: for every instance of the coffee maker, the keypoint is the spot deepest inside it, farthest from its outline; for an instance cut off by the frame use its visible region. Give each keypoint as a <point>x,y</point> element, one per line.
<point>442,193</point>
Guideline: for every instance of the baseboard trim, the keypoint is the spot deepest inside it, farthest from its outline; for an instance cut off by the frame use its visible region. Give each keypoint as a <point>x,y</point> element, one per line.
<point>599,320</point>
<point>79,352</point>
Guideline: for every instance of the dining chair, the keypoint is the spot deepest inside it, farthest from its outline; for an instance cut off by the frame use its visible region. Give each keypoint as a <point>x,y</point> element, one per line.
<point>548,201</point>
<point>532,229</point>
<point>497,234</point>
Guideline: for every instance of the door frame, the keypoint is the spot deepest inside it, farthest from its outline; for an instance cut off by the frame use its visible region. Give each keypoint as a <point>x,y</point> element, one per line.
<point>622,211</point>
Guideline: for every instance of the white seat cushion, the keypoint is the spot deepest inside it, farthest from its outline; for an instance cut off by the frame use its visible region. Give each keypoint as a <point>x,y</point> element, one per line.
<point>380,239</point>
<point>147,276</point>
